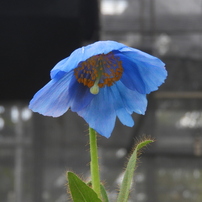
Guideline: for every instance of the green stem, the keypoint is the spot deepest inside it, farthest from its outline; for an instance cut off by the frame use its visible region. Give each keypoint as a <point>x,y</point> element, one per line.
<point>94,166</point>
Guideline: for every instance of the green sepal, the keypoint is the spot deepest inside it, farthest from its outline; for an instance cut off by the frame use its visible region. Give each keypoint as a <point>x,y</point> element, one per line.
<point>103,192</point>
<point>80,191</point>
<point>129,172</point>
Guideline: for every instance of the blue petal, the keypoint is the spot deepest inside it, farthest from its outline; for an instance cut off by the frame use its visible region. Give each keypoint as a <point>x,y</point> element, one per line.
<point>120,107</point>
<point>83,53</point>
<point>58,68</point>
<point>57,96</point>
<point>118,100</point>
<point>53,99</point>
<point>141,56</point>
<point>153,76</point>
<point>132,101</point>
<point>100,113</point>
<point>125,117</point>
<point>80,96</point>
<point>131,76</point>
<point>151,71</point>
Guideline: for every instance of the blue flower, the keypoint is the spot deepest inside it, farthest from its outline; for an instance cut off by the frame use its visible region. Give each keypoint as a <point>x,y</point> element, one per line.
<point>101,81</point>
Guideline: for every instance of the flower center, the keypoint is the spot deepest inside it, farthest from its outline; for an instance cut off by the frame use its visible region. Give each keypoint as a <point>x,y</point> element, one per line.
<point>99,71</point>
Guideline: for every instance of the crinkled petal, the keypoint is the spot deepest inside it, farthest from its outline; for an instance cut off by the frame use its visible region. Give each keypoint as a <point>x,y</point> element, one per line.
<point>141,56</point>
<point>100,113</point>
<point>153,76</point>
<point>57,96</point>
<point>133,101</point>
<point>83,53</point>
<point>53,99</point>
<point>151,71</point>
<point>57,71</point>
<point>131,76</point>
<point>120,107</point>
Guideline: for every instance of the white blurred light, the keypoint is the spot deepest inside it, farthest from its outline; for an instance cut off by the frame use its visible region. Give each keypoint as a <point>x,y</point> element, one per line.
<point>190,120</point>
<point>121,153</point>
<point>60,181</point>
<point>141,197</point>
<point>113,7</point>
<point>120,179</point>
<point>2,109</point>
<point>186,194</point>
<point>26,114</point>
<point>2,123</point>
<point>162,44</point>
<point>139,178</point>
<point>196,174</point>
<point>15,114</point>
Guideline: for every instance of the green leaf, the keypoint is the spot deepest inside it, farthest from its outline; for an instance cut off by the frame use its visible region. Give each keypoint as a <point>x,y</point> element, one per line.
<point>103,192</point>
<point>143,144</point>
<point>79,190</point>
<point>129,172</point>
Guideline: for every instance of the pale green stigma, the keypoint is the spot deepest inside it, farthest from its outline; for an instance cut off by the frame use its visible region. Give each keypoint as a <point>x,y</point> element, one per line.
<point>95,89</point>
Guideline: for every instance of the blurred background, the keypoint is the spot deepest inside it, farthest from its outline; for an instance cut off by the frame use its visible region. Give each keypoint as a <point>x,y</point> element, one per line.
<point>36,151</point>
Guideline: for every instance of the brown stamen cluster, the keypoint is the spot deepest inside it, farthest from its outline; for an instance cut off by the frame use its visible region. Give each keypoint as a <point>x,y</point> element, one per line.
<point>104,69</point>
